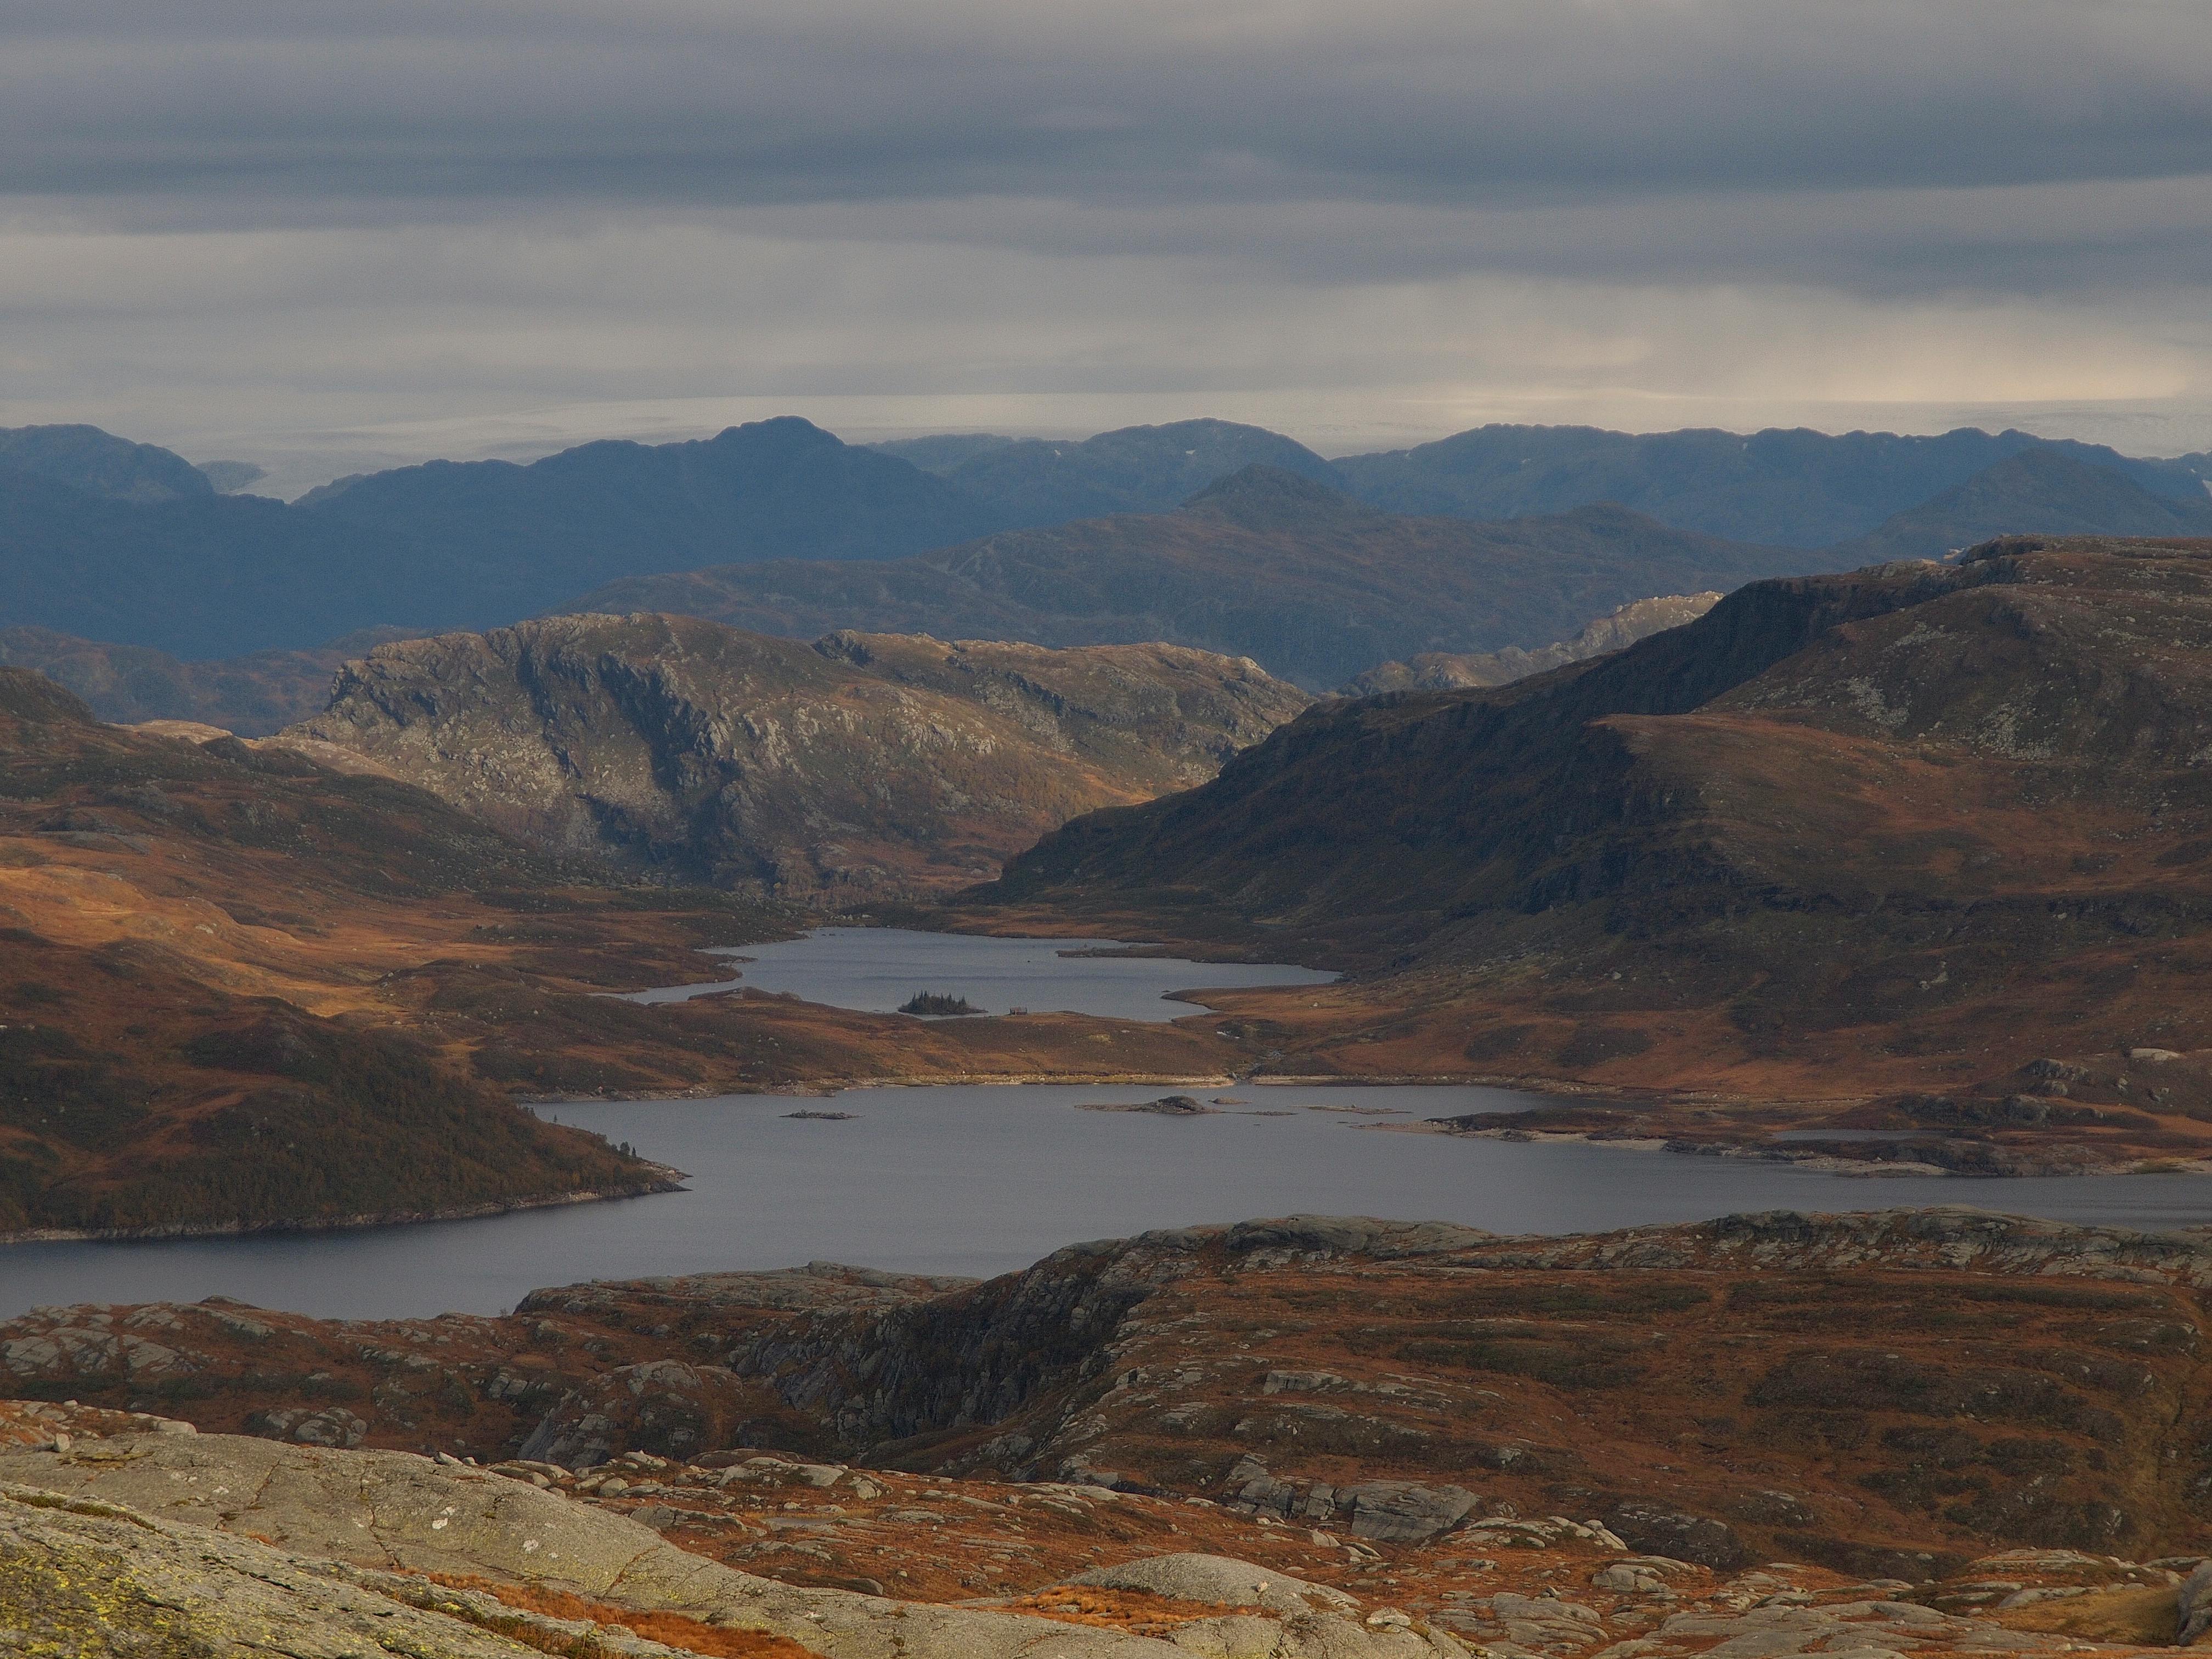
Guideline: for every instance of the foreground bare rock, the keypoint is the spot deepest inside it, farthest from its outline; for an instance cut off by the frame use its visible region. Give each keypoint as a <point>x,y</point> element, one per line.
<point>88,1577</point>
<point>864,764</point>
<point>1890,1394</point>
<point>394,1513</point>
<point>232,1549</point>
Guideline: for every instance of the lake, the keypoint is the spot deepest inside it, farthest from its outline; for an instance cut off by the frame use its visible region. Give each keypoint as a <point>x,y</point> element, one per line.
<point>980,1180</point>
<point>876,970</point>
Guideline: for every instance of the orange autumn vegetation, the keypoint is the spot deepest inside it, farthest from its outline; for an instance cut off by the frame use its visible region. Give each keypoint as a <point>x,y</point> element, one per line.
<point>672,1630</point>
<point>1139,1612</point>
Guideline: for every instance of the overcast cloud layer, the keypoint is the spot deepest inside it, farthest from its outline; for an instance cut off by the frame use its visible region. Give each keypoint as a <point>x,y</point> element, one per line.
<point>317,235</point>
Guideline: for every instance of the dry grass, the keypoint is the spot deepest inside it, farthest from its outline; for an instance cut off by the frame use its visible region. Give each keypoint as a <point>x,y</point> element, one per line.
<point>2143,1617</point>
<point>1138,1613</point>
<point>670,1629</point>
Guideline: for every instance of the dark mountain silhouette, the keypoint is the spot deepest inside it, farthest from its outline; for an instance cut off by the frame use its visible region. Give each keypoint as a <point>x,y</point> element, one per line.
<point>107,540</point>
<point>2046,491</point>
<point>1799,489</point>
<point>1137,469</point>
<point>100,464</point>
<point>444,545</point>
<point>940,451</point>
<point>203,576</point>
<point>1312,585</point>
<point>252,695</point>
<point>777,488</point>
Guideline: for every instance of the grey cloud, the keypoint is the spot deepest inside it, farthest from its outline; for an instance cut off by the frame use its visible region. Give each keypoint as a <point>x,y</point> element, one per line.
<point>1512,101</point>
<point>1398,215</point>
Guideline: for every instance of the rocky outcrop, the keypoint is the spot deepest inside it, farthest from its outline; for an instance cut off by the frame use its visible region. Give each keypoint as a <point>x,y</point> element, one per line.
<point>85,1577</point>
<point>144,1534</point>
<point>1386,1512</point>
<point>1444,671</point>
<point>862,765</point>
<point>1871,1392</point>
<point>664,1406</point>
<point>2193,1606</point>
<point>1217,1579</point>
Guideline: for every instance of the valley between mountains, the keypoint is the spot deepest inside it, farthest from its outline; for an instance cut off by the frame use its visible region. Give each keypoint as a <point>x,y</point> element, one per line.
<point>1901,869</point>
<point>1906,862</point>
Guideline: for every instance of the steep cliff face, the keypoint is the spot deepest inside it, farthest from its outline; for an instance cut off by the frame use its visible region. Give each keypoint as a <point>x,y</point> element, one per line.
<point>860,764</point>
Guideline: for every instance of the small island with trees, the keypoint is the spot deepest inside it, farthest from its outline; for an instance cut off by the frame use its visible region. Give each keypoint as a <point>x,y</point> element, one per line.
<point>932,1005</point>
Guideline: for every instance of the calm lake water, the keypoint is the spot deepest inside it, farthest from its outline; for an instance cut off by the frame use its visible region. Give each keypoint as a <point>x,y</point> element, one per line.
<point>973,1180</point>
<point>876,970</point>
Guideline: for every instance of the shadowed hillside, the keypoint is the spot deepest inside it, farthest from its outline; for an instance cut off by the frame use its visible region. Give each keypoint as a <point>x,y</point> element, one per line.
<point>252,695</point>
<point>1910,826</point>
<point>188,928</point>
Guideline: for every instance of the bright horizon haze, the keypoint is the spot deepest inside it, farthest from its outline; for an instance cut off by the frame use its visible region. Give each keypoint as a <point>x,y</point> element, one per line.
<point>376,231</point>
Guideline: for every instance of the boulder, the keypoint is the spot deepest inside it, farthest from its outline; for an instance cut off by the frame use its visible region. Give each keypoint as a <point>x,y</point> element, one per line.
<point>1658,1531</point>
<point>1402,1512</point>
<point>1221,1580</point>
<point>1309,1621</point>
<point>333,1426</point>
<point>2193,1608</point>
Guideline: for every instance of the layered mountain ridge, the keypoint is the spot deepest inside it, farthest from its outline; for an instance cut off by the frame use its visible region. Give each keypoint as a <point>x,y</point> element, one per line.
<point>1796,488</point>
<point>128,543</point>
<point>1263,563</point>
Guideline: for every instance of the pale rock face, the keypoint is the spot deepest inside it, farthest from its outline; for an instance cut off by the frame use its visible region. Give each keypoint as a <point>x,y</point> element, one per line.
<point>876,763</point>
<point>1221,1580</point>
<point>154,1515</point>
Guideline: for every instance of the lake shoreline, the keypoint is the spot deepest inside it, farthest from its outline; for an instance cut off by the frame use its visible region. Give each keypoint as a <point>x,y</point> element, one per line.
<point>666,1181</point>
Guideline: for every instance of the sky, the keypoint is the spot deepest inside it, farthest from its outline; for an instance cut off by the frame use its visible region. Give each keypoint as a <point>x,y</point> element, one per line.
<point>358,232</point>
